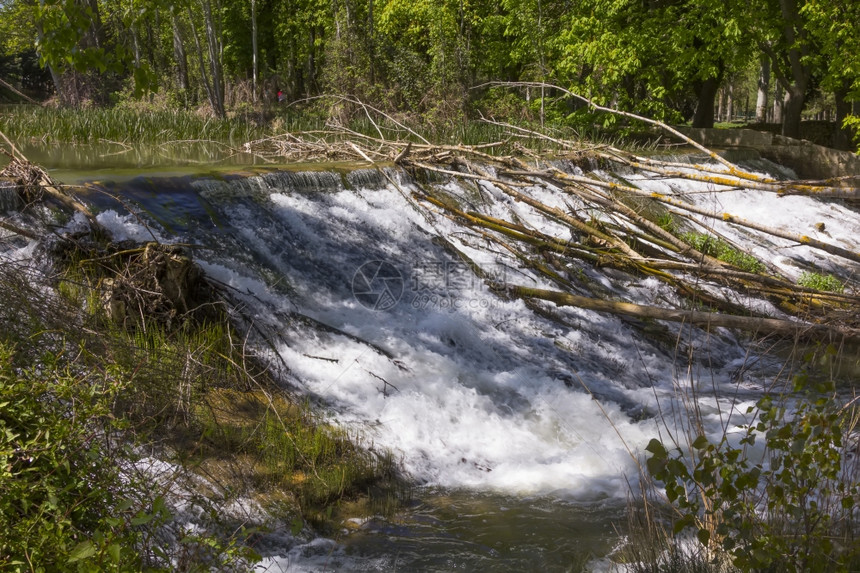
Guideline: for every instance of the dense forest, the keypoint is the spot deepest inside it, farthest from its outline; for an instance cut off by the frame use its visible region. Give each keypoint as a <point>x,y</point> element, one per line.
<point>674,60</point>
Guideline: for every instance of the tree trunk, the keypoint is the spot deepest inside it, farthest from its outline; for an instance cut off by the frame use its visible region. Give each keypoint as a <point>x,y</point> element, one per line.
<point>135,43</point>
<point>180,56</point>
<point>214,59</point>
<point>311,62</point>
<point>730,102</point>
<point>721,104</point>
<point>778,100</point>
<point>371,42</point>
<point>707,93</point>
<point>800,73</point>
<point>842,136</point>
<point>763,86</point>
<point>794,100</point>
<point>200,60</point>
<point>757,324</point>
<point>254,48</point>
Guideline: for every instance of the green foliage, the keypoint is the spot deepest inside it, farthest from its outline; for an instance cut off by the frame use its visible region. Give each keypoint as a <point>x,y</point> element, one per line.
<point>790,510</point>
<point>292,448</point>
<point>668,222</point>
<point>818,281</point>
<point>723,251</point>
<point>425,57</point>
<point>123,125</point>
<point>63,502</point>
<point>79,389</point>
<point>853,122</point>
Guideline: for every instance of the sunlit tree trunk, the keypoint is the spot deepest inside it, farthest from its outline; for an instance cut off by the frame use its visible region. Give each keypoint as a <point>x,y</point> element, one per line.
<point>210,92</point>
<point>213,42</point>
<point>180,56</point>
<point>778,100</point>
<point>763,87</point>
<point>721,104</point>
<point>730,101</point>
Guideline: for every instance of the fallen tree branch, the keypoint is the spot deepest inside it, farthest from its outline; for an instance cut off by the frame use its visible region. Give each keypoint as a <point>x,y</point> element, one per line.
<point>733,169</point>
<point>18,230</point>
<point>727,217</point>
<point>759,325</point>
<point>16,92</point>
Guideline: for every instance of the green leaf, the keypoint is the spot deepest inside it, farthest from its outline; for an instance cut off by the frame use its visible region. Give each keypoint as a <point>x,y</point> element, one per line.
<point>704,536</point>
<point>656,448</point>
<point>700,443</point>
<point>682,523</point>
<point>113,551</point>
<point>655,466</point>
<point>82,550</point>
<point>142,518</point>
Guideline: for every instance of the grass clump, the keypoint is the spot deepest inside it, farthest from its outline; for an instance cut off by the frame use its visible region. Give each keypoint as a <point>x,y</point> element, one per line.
<point>286,446</point>
<point>817,281</point>
<point>723,251</point>
<point>82,126</point>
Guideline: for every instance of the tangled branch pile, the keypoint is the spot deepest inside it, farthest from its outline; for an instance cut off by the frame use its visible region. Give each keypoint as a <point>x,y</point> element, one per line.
<point>612,221</point>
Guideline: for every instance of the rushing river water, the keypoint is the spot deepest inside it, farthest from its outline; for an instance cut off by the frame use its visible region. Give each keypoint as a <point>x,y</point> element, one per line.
<point>518,422</point>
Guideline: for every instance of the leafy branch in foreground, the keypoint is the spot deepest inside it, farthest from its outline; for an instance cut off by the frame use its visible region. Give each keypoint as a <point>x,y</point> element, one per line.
<point>63,499</point>
<point>780,496</point>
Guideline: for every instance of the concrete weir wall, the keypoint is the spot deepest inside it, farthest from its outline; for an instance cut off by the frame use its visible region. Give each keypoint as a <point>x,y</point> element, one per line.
<point>808,160</point>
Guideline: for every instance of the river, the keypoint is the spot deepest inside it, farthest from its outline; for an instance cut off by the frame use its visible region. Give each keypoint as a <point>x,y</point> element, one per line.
<point>519,424</point>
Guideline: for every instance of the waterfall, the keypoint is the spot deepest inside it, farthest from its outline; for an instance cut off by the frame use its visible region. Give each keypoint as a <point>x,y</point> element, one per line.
<point>9,199</point>
<point>377,315</point>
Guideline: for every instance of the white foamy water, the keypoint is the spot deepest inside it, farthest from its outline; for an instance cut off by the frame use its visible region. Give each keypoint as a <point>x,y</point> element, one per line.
<point>381,320</point>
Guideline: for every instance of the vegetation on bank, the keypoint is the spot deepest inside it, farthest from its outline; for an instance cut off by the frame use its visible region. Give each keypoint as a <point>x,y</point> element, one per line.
<point>106,365</point>
<point>126,126</point>
<point>438,62</point>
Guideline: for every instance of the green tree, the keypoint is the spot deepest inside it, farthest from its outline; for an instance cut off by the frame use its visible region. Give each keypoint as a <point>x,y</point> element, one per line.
<point>834,25</point>
<point>657,58</point>
<point>63,502</point>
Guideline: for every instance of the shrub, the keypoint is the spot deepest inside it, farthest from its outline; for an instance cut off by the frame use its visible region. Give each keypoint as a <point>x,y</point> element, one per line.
<point>818,281</point>
<point>790,508</point>
<point>63,503</point>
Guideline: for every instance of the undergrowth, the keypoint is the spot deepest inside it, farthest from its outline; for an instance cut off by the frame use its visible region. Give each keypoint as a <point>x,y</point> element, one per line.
<point>85,389</point>
<point>821,282</point>
<point>131,127</point>
<point>93,125</point>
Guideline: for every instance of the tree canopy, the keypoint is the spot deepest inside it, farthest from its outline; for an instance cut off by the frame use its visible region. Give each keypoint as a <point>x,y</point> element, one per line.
<point>668,59</point>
